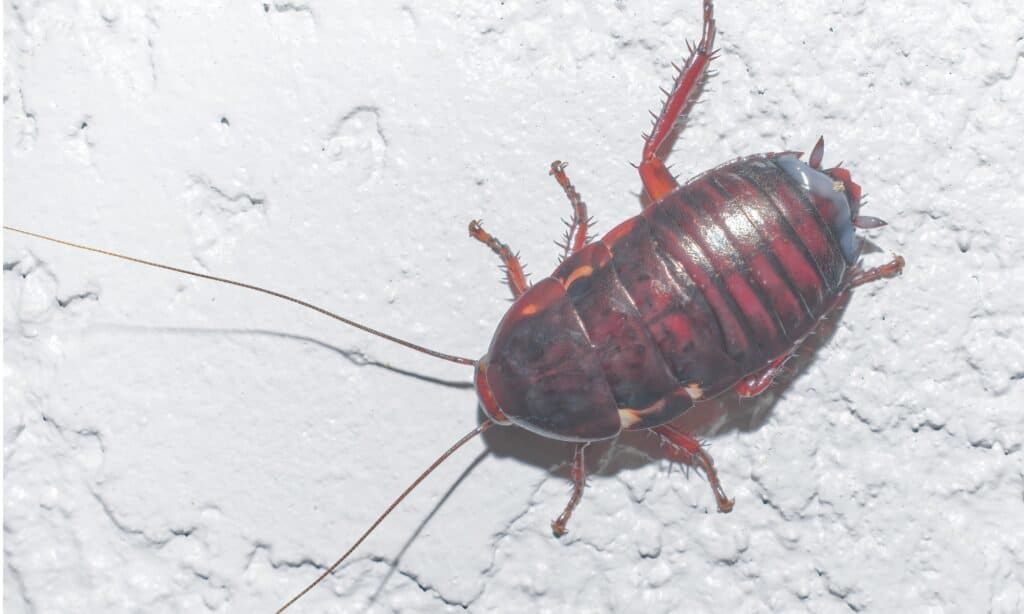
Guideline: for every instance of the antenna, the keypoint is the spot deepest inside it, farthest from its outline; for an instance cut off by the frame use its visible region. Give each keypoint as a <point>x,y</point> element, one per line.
<point>486,424</point>
<point>363,327</point>
<point>449,357</point>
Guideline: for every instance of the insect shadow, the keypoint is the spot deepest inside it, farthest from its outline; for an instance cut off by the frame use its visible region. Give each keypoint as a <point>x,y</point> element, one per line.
<point>726,413</point>
<point>633,450</point>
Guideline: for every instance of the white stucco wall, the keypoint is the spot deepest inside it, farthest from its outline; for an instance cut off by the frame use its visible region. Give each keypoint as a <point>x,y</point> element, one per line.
<point>175,445</point>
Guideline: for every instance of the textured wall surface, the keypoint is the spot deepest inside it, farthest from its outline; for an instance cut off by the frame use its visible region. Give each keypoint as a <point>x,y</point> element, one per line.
<point>175,445</point>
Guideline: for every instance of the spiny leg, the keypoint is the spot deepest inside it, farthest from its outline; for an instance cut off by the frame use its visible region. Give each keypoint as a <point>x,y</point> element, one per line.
<point>579,479</point>
<point>755,384</point>
<point>658,182</point>
<point>576,235</point>
<point>887,270</point>
<point>514,275</point>
<point>686,449</point>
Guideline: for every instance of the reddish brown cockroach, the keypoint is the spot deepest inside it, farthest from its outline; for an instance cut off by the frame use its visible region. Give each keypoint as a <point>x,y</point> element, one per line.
<point>711,288</point>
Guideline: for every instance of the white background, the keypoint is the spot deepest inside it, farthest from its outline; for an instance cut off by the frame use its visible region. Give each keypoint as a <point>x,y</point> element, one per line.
<point>175,445</point>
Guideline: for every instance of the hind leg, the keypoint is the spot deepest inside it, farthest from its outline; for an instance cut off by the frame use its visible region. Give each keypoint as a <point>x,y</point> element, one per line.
<point>890,269</point>
<point>658,182</point>
<point>755,384</point>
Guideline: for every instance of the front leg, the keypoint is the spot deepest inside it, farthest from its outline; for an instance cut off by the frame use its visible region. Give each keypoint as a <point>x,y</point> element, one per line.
<point>579,480</point>
<point>514,275</point>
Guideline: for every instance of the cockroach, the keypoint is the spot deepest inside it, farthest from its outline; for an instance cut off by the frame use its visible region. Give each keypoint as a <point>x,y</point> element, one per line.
<point>711,288</point>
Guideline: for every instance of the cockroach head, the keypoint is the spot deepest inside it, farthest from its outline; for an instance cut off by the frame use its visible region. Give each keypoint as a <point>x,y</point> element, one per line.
<point>484,394</point>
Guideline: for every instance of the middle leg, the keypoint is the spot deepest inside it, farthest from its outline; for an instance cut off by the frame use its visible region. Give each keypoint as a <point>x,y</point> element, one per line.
<point>686,449</point>
<point>579,225</point>
<point>575,236</point>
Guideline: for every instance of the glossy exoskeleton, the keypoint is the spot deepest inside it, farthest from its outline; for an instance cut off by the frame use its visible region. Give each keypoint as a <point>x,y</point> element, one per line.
<point>711,288</point>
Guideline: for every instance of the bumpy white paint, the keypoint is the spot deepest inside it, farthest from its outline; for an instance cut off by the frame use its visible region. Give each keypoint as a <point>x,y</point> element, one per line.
<point>173,445</point>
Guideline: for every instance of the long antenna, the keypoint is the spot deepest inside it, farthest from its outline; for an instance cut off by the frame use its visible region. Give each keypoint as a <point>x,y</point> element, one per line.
<point>486,424</point>
<point>419,348</point>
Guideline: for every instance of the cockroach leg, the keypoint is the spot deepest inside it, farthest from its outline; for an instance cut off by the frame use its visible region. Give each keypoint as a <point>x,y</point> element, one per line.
<point>658,181</point>
<point>579,479</point>
<point>887,270</point>
<point>684,448</point>
<point>514,275</point>
<point>579,225</point>
<point>755,384</point>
